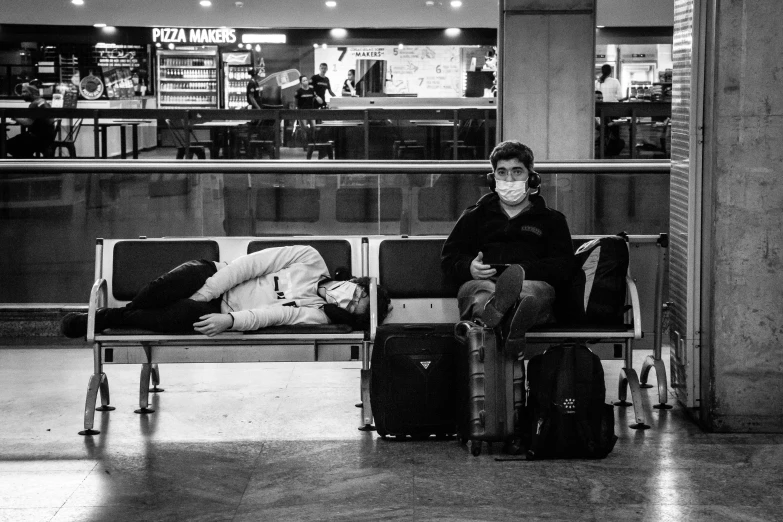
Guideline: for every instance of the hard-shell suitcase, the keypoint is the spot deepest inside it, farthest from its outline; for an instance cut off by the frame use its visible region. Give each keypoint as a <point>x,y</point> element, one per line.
<point>412,380</point>
<point>490,383</point>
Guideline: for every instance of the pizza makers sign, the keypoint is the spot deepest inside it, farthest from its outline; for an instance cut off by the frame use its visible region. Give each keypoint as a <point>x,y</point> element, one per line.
<point>193,36</point>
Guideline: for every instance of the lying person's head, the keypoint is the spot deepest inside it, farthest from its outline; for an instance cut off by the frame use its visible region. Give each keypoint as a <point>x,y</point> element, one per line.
<point>353,296</point>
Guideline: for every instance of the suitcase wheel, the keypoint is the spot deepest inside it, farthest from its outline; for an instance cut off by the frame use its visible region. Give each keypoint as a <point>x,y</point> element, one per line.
<point>475,447</point>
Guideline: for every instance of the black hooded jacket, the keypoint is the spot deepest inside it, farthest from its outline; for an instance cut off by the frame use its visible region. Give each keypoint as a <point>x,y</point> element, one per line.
<point>537,238</point>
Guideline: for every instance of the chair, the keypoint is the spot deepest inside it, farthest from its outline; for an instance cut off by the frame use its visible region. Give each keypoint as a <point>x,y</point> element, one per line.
<point>197,148</point>
<point>69,141</point>
<point>405,149</point>
<point>324,148</point>
<point>463,151</point>
<point>260,140</point>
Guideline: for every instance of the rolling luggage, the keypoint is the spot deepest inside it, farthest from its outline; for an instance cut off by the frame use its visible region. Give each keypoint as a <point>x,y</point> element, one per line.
<point>490,387</point>
<point>412,380</point>
<point>566,414</point>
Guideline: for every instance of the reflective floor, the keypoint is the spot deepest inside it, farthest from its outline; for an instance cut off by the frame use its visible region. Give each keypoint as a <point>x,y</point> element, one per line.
<point>278,441</point>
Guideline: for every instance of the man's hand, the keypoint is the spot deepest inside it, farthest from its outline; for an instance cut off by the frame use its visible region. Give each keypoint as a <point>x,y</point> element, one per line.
<point>213,324</point>
<point>479,270</point>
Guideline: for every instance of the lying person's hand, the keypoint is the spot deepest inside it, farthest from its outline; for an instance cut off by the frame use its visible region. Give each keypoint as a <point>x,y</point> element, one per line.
<point>213,324</point>
<point>478,270</point>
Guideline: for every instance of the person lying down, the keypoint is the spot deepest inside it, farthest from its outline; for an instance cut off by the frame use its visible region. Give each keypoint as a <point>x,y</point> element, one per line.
<point>288,285</point>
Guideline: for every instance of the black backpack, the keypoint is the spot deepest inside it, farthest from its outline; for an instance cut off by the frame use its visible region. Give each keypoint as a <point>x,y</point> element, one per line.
<point>598,286</point>
<point>566,415</point>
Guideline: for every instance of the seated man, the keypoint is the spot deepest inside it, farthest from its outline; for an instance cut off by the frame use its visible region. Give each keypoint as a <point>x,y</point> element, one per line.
<point>275,286</point>
<point>510,230</point>
<point>40,131</point>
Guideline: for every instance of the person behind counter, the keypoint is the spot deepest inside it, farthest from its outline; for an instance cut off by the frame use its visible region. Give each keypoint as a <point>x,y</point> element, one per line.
<point>349,85</point>
<point>306,98</point>
<point>322,85</point>
<point>254,90</point>
<point>40,131</point>
<point>609,87</point>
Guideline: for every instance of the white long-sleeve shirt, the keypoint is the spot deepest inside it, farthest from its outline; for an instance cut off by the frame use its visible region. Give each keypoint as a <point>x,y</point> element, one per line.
<point>274,286</point>
<point>610,89</point>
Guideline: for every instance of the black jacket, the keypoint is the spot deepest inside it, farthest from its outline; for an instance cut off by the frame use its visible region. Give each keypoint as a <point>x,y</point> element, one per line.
<point>537,238</point>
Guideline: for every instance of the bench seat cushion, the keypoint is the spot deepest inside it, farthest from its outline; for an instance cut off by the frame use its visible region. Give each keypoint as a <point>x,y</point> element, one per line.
<point>287,330</point>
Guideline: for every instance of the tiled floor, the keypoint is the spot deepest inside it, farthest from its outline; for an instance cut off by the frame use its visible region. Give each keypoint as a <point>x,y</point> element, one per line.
<point>278,441</point>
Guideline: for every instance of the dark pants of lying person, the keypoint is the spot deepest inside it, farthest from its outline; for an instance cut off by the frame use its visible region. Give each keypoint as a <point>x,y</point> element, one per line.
<point>163,304</point>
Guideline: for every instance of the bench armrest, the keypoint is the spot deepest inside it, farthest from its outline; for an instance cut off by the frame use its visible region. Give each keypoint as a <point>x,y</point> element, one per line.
<point>99,296</point>
<point>373,308</point>
<point>635,307</point>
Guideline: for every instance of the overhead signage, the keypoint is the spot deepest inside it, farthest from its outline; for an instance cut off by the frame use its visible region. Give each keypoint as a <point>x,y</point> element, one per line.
<point>368,52</point>
<point>193,36</point>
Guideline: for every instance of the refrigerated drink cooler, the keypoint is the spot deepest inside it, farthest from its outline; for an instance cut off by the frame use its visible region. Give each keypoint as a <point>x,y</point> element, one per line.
<point>188,79</point>
<point>236,67</point>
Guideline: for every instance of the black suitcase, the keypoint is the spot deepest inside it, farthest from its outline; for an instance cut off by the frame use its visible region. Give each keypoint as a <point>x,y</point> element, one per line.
<point>412,380</point>
<point>490,383</point>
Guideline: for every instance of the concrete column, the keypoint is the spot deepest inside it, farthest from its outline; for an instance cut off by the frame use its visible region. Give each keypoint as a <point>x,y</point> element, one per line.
<point>546,93</point>
<point>742,352</point>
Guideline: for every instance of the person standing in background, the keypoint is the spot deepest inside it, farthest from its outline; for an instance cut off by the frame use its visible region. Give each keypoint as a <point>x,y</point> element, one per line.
<point>321,85</point>
<point>254,90</point>
<point>609,87</point>
<point>349,85</point>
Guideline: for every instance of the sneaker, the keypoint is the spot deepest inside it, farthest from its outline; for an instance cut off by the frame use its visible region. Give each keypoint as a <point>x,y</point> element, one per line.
<point>74,325</point>
<point>507,289</point>
<point>524,317</point>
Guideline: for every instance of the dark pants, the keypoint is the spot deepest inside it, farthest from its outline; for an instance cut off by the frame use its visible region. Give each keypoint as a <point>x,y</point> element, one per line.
<point>162,305</point>
<point>26,145</point>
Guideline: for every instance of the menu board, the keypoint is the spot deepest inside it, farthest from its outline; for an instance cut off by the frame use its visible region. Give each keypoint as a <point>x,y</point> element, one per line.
<point>428,71</point>
<point>118,82</point>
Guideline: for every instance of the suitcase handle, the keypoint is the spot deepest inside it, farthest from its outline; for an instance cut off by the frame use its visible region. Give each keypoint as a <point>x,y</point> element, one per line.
<point>461,331</point>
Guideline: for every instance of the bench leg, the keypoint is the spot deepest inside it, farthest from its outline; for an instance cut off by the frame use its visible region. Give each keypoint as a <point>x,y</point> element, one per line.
<point>365,404</point>
<point>155,374</point>
<point>660,377</point>
<point>104,389</point>
<point>89,405</point>
<point>629,378</point>
<point>364,389</point>
<point>144,390</point>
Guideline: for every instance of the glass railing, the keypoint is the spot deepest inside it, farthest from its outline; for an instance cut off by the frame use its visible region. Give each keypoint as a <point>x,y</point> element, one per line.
<point>51,212</point>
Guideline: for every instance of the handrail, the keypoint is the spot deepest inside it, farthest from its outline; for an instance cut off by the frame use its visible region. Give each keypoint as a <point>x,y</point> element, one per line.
<point>48,166</point>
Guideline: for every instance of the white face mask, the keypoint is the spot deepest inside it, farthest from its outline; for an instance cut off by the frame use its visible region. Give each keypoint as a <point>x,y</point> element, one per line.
<point>340,293</point>
<point>511,192</point>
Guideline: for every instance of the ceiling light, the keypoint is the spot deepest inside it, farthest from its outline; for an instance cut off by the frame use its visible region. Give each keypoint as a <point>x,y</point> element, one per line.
<point>453,31</point>
<point>241,45</point>
<point>109,29</point>
<point>205,3</point>
<point>99,25</point>
<point>315,46</point>
<point>400,46</point>
<point>157,44</point>
<point>323,46</point>
<point>250,38</point>
<point>258,48</point>
<point>331,3</point>
<point>77,2</point>
<point>171,46</point>
<point>338,33</point>
<point>456,3</point>
<point>429,3</point>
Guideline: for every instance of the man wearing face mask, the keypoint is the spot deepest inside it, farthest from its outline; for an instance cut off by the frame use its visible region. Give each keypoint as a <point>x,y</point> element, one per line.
<point>511,254</point>
<point>40,132</point>
<point>275,286</point>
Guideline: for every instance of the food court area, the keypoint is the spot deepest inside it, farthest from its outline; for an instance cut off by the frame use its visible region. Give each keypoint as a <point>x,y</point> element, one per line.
<point>181,133</point>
